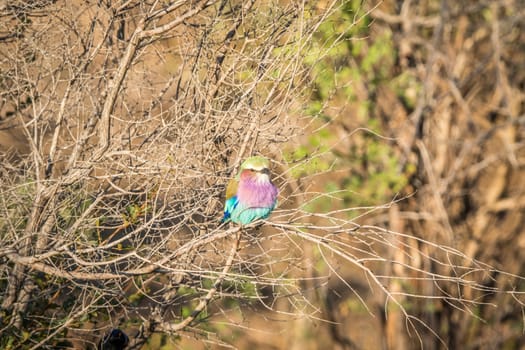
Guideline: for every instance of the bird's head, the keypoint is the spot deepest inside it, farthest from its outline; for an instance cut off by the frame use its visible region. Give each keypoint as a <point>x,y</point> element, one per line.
<point>255,168</point>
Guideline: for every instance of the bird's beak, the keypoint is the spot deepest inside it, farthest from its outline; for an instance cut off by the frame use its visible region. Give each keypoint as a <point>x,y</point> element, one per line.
<point>265,171</point>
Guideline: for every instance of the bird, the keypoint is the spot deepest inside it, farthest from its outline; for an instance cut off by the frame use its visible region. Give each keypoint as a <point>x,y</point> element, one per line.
<point>250,195</point>
<point>114,340</point>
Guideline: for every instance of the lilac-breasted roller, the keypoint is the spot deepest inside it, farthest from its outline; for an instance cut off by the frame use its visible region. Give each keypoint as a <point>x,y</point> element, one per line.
<point>250,195</point>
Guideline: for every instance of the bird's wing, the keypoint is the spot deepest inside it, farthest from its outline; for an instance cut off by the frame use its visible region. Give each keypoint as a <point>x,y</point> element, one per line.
<point>231,189</point>
<point>231,199</point>
<point>229,206</point>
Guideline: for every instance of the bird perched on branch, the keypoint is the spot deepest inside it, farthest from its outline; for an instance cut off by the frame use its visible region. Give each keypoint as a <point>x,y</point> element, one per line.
<point>250,195</point>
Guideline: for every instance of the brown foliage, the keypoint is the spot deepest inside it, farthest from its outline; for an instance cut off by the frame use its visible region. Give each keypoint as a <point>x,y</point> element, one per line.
<point>120,124</point>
